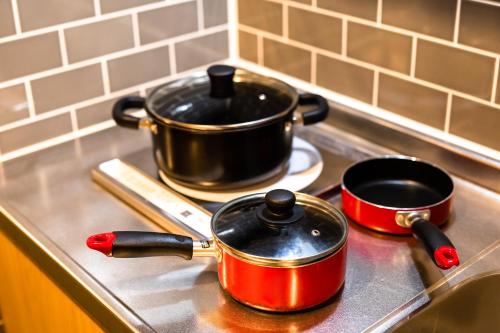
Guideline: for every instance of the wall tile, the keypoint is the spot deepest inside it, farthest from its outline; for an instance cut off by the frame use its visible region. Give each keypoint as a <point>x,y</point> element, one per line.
<point>95,39</point>
<point>304,1</point>
<point>366,9</point>
<point>430,17</point>
<point>476,122</point>
<point>162,23</point>
<point>214,12</point>
<point>67,88</point>
<point>114,5</point>
<point>454,68</point>
<point>202,50</point>
<point>379,47</point>
<point>345,78</point>
<point>6,19</point>
<point>13,104</point>
<point>248,46</point>
<point>480,26</point>
<point>41,130</point>
<point>287,59</point>
<point>17,58</point>
<point>36,14</point>
<point>412,100</point>
<point>138,68</point>
<point>96,113</point>
<point>315,29</point>
<point>261,14</point>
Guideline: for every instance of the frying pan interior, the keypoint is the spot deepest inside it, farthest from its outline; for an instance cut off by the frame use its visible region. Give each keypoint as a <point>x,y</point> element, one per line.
<point>398,182</point>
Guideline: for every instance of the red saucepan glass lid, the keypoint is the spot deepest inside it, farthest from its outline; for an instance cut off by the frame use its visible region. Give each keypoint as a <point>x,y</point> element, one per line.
<point>280,226</point>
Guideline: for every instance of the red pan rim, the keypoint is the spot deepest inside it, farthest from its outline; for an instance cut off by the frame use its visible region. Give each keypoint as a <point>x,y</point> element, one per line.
<point>402,157</point>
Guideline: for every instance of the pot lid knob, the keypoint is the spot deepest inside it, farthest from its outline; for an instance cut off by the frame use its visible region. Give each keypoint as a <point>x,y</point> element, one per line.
<point>279,208</point>
<point>280,203</point>
<point>221,81</point>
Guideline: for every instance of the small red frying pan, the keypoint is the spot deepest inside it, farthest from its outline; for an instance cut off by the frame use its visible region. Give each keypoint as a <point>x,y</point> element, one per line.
<point>402,195</point>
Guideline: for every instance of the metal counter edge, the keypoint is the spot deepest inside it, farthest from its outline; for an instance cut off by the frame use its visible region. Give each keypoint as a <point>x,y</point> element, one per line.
<point>108,312</point>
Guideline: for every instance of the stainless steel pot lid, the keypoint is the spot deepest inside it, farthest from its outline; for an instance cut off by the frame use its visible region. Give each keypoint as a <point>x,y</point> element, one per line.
<point>279,228</point>
<point>223,97</point>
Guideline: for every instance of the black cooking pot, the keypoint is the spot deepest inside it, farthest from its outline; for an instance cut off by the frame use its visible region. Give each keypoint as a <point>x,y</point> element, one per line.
<point>228,129</point>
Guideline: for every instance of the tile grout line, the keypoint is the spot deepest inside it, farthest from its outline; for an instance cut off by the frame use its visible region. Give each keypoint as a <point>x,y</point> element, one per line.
<point>456,27</point>
<point>314,66</point>
<point>17,18</point>
<point>135,30</point>
<point>30,100</point>
<point>115,55</point>
<point>344,38</point>
<point>413,60</point>
<point>74,121</point>
<point>368,65</point>
<point>260,49</point>
<point>379,12</point>
<point>199,14</point>
<point>62,48</point>
<point>92,19</point>
<point>489,3</point>
<point>172,59</point>
<point>285,20</point>
<point>97,7</point>
<point>447,117</point>
<point>495,81</point>
<point>232,17</point>
<point>314,3</point>
<point>105,78</point>
<point>376,75</point>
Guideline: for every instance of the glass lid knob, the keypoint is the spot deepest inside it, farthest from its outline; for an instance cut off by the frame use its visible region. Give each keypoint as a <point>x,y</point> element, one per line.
<point>221,81</point>
<point>279,209</point>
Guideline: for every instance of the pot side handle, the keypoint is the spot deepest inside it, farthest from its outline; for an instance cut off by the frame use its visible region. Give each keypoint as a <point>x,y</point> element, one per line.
<point>317,114</point>
<point>134,244</point>
<point>437,244</point>
<point>123,104</point>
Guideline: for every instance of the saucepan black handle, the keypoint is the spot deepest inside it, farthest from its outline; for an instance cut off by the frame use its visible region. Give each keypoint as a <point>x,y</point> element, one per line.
<point>317,114</point>
<point>123,104</point>
<point>437,244</point>
<point>133,244</point>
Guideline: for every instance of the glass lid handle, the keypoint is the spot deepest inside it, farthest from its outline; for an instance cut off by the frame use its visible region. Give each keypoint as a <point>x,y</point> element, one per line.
<point>221,81</point>
<point>279,208</point>
<point>279,203</point>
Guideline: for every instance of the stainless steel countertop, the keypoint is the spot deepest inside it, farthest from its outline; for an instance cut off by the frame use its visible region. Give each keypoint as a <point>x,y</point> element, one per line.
<point>53,206</point>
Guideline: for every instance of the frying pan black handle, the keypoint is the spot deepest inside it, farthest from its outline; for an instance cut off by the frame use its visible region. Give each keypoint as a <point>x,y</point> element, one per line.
<point>319,113</point>
<point>133,244</point>
<point>123,104</point>
<point>439,247</point>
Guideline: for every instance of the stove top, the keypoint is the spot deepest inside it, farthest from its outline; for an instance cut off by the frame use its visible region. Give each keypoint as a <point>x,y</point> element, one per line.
<point>134,179</point>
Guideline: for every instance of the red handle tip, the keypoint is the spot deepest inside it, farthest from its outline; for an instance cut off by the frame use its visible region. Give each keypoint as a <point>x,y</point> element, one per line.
<point>102,242</point>
<point>446,257</point>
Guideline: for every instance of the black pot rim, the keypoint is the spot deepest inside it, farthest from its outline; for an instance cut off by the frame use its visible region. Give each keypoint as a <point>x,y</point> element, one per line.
<point>241,75</point>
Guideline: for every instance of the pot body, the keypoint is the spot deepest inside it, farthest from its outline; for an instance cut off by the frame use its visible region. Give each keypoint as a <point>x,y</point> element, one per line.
<point>222,160</point>
<point>383,219</point>
<point>282,289</point>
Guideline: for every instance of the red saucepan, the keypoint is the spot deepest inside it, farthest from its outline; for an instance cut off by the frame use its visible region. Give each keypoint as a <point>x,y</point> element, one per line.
<point>278,252</point>
<point>402,195</point>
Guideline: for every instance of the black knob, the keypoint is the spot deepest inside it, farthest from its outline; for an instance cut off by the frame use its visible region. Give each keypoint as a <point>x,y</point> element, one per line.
<point>280,203</point>
<point>221,81</point>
